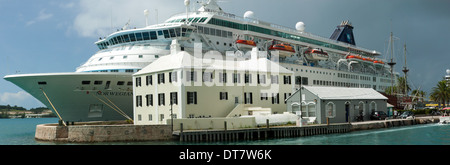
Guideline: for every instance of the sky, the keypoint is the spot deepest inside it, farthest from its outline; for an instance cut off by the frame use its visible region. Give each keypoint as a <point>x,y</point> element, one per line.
<point>52,36</point>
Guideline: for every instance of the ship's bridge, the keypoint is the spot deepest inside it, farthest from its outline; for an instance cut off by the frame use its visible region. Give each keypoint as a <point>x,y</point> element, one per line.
<point>161,32</point>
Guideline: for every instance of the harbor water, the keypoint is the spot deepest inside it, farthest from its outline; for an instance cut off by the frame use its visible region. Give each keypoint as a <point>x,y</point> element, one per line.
<point>22,131</point>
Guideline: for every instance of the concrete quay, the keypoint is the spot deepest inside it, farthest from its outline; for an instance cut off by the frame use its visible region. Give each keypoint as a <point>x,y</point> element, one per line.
<point>377,124</point>
<point>93,132</point>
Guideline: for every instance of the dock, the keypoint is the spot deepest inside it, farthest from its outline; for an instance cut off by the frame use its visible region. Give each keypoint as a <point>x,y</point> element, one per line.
<point>259,133</point>
<point>277,132</point>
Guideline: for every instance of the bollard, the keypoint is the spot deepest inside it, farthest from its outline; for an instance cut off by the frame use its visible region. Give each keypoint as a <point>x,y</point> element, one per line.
<point>225,125</point>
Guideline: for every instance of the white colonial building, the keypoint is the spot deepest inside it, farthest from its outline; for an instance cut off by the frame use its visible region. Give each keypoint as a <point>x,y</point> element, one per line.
<point>209,87</point>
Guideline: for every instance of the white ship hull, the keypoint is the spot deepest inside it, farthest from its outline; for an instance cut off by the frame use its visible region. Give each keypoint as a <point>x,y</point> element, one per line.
<point>77,102</point>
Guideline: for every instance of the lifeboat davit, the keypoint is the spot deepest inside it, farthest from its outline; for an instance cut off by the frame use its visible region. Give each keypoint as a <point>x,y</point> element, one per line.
<point>284,49</point>
<point>245,44</point>
<point>316,54</point>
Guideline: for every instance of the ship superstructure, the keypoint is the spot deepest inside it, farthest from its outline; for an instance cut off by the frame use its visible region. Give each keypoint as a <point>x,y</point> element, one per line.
<point>101,88</point>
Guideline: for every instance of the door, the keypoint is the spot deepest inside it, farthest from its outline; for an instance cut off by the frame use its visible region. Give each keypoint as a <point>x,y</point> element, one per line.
<point>347,111</point>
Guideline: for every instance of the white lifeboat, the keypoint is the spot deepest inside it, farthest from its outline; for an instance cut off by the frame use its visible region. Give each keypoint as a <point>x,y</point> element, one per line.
<point>316,54</point>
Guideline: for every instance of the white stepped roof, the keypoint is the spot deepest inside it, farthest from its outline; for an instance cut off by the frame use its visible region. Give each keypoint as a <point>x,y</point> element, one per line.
<point>342,93</point>
<point>182,59</point>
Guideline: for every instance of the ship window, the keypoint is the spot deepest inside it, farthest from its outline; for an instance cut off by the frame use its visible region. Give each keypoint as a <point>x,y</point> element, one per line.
<point>98,82</point>
<point>120,83</point>
<point>172,33</point>
<point>160,33</point>
<point>86,82</point>
<point>126,38</point>
<point>218,32</point>
<point>139,36</point>
<point>132,37</point>
<point>42,83</point>
<point>153,35</point>
<point>166,34</point>
<point>213,32</point>
<point>206,30</point>
<point>178,32</point>
<point>203,19</point>
<point>120,39</point>
<point>146,35</point>
<point>224,34</point>
<point>196,20</point>
<point>125,57</point>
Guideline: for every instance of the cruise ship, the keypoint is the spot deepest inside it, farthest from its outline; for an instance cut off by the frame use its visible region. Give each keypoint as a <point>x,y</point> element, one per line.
<point>102,88</point>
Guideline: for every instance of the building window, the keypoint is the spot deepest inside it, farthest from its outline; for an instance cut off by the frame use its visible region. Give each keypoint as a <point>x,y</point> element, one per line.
<point>173,76</point>
<point>161,100</point>
<point>236,78</point>
<point>261,79</point>
<point>248,78</point>
<point>161,78</point>
<point>248,98</point>
<point>275,98</point>
<point>149,80</point>
<point>287,79</point>
<point>223,77</point>
<point>150,117</point>
<point>274,79</point>
<point>138,101</point>
<point>191,76</point>
<point>264,96</point>
<point>138,81</point>
<point>149,99</point>
<point>161,117</point>
<point>139,117</point>
<point>223,95</point>
<point>207,76</point>
<point>191,97</point>
<point>330,110</point>
<point>174,98</point>
<point>312,110</point>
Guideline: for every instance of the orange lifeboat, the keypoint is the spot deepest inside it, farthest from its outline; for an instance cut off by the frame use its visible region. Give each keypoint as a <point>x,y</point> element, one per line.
<point>378,62</point>
<point>368,59</point>
<point>354,58</point>
<point>245,44</point>
<point>316,54</point>
<point>284,49</point>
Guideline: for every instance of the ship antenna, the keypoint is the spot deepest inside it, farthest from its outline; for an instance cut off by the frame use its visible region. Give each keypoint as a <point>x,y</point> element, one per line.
<point>146,13</point>
<point>187,3</point>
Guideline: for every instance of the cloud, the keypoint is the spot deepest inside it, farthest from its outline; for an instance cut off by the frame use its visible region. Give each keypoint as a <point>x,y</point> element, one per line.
<point>96,17</point>
<point>20,98</point>
<point>43,15</point>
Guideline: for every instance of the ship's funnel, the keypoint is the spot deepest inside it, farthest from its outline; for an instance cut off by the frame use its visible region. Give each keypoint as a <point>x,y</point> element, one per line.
<point>344,33</point>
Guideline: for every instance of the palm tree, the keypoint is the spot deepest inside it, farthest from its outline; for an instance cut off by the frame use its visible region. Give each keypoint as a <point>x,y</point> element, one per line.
<point>440,93</point>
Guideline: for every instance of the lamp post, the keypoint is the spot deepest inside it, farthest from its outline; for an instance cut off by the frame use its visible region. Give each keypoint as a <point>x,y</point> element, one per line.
<point>171,111</point>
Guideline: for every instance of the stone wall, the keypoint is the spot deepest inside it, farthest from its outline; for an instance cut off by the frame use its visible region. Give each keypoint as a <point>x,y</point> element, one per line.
<point>103,133</point>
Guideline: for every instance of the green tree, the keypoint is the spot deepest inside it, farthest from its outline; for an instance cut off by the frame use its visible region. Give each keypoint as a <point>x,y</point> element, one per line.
<point>441,93</point>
